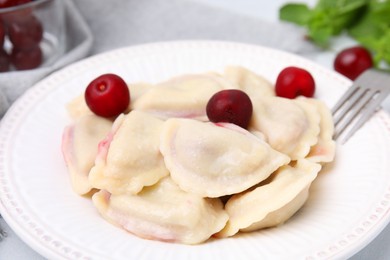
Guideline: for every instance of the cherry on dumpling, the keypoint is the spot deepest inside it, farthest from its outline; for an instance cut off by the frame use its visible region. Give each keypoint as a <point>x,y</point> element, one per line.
<point>107,95</point>
<point>293,81</point>
<point>230,105</point>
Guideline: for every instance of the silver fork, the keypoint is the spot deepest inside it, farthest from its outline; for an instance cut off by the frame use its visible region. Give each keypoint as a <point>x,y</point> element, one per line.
<point>359,102</point>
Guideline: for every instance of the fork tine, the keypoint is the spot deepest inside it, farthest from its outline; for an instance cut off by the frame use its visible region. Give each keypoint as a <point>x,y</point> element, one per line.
<point>349,101</point>
<point>349,114</point>
<point>359,102</point>
<point>357,125</point>
<point>369,110</point>
<point>343,99</point>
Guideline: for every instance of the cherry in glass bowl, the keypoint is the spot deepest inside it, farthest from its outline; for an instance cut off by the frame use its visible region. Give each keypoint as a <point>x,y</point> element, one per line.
<point>32,33</point>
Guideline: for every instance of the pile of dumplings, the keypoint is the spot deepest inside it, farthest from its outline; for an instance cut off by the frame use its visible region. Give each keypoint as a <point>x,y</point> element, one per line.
<point>162,171</point>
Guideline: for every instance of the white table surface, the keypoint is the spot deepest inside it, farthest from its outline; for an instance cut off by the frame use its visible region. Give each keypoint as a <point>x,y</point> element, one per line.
<point>12,248</point>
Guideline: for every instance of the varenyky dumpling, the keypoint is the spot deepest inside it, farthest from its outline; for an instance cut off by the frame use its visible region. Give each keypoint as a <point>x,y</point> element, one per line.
<point>324,150</point>
<point>251,83</point>
<point>129,158</point>
<point>185,96</point>
<point>271,204</point>
<point>162,169</point>
<point>164,212</point>
<point>80,147</point>
<point>212,161</point>
<point>289,126</point>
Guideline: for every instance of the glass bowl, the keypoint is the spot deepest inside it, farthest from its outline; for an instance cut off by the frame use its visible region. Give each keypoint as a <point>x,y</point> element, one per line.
<point>32,34</point>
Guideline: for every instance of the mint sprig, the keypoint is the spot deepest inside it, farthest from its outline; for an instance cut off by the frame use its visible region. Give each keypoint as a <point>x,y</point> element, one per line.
<point>367,21</point>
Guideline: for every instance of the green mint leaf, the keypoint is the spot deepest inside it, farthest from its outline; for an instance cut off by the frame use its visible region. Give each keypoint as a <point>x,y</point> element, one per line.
<point>380,7</point>
<point>368,26</point>
<point>345,14</point>
<point>321,28</point>
<point>379,46</point>
<point>327,19</point>
<point>383,50</point>
<point>320,36</point>
<point>341,6</point>
<point>295,13</point>
<point>375,21</point>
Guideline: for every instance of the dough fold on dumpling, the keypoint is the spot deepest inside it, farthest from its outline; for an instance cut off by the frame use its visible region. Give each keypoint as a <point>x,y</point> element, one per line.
<point>214,161</point>
<point>185,96</point>
<point>129,157</point>
<point>251,83</point>
<point>325,149</point>
<point>80,147</point>
<point>273,203</point>
<point>164,212</point>
<point>290,126</point>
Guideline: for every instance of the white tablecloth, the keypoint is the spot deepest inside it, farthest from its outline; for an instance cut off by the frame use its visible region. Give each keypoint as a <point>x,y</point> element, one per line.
<point>118,23</point>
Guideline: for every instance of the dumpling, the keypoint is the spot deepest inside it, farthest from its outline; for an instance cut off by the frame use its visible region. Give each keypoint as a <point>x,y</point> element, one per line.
<point>324,150</point>
<point>185,96</point>
<point>249,82</point>
<point>129,158</point>
<point>77,107</point>
<point>290,126</point>
<point>137,90</point>
<point>271,204</point>
<point>202,161</point>
<point>164,212</point>
<point>80,147</point>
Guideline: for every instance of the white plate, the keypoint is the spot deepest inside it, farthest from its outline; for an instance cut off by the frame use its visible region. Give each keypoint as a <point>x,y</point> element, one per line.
<point>348,205</point>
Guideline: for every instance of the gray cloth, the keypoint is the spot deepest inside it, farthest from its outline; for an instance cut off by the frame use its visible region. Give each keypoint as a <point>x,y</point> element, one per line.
<point>123,23</point>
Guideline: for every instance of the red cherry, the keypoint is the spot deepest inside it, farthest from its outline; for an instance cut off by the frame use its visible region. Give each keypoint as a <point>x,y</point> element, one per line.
<point>9,3</point>
<point>25,33</point>
<point>230,105</point>
<point>21,2</point>
<point>17,13</point>
<point>4,61</point>
<point>26,59</point>
<point>107,95</point>
<point>2,34</point>
<point>351,62</point>
<point>292,82</point>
